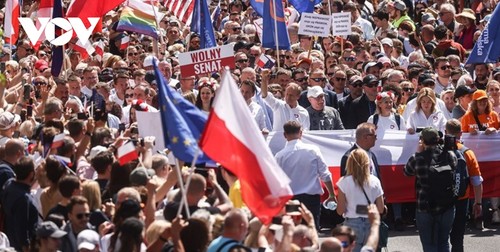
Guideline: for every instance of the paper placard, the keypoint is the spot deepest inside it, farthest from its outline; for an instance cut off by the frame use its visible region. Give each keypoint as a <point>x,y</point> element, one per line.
<point>315,24</point>
<point>206,60</point>
<point>341,24</point>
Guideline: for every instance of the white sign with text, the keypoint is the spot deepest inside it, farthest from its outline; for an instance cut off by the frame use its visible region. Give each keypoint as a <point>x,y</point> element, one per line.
<point>315,24</point>
<point>341,23</point>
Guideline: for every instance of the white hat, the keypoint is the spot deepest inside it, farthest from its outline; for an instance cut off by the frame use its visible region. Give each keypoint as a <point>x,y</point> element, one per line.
<point>81,66</point>
<point>315,91</point>
<point>96,150</point>
<point>148,61</point>
<point>8,120</point>
<point>387,41</point>
<point>88,239</point>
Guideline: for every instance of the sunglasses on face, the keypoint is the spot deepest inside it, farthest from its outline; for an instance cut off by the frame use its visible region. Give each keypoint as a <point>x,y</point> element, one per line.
<point>236,28</point>
<point>36,83</point>
<point>340,79</point>
<point>242,61</point>
<point>301,79</point>
<point>445,67</point>
<point>129,95</point>
<point>318,79</point>
<point>371,85</point>
<point>375,53</point>
<point>349,59</point>
<point>408,89</point>
<point>133,54</point>
<point>223,10</point>
<point>288,57</point>
<point>81,215</point>
<point>357,85</point>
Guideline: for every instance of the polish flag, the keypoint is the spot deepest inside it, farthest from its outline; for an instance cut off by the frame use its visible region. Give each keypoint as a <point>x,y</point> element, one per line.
<point>265,187</point>
<point>58,141</point>
<point>127,153</point>
<point>84,50</point>
<point>99,50</point>
<point>265,61</point>
<point>45,9</point>
<point>84,9</point>
<point>11,22</point>
<point>124,43</point>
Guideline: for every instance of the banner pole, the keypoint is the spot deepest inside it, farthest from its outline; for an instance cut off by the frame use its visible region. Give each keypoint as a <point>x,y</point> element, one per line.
<point>276,34</point>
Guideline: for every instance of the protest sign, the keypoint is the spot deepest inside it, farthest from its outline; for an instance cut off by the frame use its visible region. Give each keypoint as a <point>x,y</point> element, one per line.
<point>341,23</point>
<point>315,24</point>
<point>206,61</point>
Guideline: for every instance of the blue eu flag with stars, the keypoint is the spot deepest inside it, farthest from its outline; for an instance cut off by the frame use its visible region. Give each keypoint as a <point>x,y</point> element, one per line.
<point>182,122</point>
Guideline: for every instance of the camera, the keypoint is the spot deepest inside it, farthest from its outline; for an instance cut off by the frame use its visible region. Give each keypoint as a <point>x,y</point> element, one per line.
<point>450,142</point>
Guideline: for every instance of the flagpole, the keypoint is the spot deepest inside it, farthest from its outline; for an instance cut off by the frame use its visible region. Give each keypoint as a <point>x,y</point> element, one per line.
<point>330,13</point>
<point>276,34</point>
<point>155,42</point>
<point>183,191</point>
<point>191,170</point>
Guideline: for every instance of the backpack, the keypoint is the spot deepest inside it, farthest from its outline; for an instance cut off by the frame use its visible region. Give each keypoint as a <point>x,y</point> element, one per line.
<point>441,190</point>
<point>461,172</point>
<point>396,116</point>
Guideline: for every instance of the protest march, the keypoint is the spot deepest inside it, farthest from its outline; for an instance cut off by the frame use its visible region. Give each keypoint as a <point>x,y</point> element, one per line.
<point>247,125</point>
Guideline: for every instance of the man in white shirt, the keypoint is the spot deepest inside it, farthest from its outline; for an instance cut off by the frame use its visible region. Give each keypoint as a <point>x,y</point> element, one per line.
<point>357,20</point>
<point>289,109</point>
<point>248,90</point>
<point>89,80</point>
<point>305,166</point>
<point>443,78</point>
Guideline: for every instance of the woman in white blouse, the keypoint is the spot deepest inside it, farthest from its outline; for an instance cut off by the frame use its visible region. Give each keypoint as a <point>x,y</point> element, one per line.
<point>358,189</point>
<point>385,116</point>
<point>426,114</point>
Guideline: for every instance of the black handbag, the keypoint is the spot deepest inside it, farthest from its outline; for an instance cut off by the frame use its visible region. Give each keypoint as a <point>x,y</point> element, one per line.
<point>383,233</point>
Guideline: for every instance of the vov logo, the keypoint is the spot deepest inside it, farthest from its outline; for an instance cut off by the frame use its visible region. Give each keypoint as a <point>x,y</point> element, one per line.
<point>48,26</point>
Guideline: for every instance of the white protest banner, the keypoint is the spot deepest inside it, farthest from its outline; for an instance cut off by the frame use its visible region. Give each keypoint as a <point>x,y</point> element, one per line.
<point>206,60</point>
<point>315,24</point>
<point>258,26</point>
<point>341,24</point>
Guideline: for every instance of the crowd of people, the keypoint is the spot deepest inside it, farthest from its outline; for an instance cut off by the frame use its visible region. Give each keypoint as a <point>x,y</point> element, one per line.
<point>63,187</point>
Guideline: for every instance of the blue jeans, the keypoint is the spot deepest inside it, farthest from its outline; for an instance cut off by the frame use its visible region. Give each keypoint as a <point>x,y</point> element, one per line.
<point>361,227</point>
<point>458,229</point>
<point>434,230</point>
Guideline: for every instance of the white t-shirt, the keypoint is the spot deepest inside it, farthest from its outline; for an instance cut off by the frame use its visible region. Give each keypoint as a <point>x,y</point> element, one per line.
<point>388,123</point>
<point>355,196</point>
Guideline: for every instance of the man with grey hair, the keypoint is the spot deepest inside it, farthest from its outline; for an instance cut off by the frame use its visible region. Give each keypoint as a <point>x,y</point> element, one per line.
<point>53,109</point>
<point>161,166</point>
<point>166,69</point>
<point>447,14</point>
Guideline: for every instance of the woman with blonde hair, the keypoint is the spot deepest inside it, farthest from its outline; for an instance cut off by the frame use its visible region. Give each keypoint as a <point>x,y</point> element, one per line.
<point>358,189</point>
<point>493,89</point>
<point>426,114</point>
<point>92,192</point>
<point>386,117</point>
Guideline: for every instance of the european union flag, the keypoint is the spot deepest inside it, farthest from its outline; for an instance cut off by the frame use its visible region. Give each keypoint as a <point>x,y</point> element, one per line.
<point>182,122</point>
<point>487,47</point>
<point>304,5</point>
<point>274,31</point>
<point>201,23</point>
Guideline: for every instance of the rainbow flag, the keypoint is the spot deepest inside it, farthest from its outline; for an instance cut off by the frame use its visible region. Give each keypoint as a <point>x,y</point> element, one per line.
<point>139,17</point>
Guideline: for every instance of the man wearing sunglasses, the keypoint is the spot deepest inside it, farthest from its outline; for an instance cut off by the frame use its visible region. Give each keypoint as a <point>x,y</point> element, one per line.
<point>364,106</point>
<point>79,214</point>
<point>356,90</point>
<point>23,49</point>
<point>443,79</point>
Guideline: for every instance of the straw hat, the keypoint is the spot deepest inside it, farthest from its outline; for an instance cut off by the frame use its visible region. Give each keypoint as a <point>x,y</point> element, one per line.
<point>466,13</point>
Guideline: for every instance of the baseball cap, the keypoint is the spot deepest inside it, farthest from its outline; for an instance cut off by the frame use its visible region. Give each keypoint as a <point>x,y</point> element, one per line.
<point>49,229</point>
<point>315,91</point>
<point>141,175</point>
<point>355,79</point>
<point>8,120</point>
<point>371,64</point>
<point>242,45</point>
<point>400,5</point>
<point>428,17</point>
<point>462,90</point>
<point>87,239</point>
<point>430,135</point>
<point>384,60</point>
<point>148,61</point>
<point>424,77</point>
<point>41,65</point>
<point>369,79</point>
<point>479,95</point>
<point>387,41</point>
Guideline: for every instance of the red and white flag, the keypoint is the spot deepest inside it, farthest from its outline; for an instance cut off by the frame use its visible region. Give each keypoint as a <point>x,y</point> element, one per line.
<point>11,22</point>
<point>182,9</point>
<point>265,186</point>
<point>91,8</point>
<point>265,61</point>
<point>99,50</point>
<point>84,50</point>
<point>127,153</point>
<point>58,141</point>
<point>124,42</point>
<point>45,9</point>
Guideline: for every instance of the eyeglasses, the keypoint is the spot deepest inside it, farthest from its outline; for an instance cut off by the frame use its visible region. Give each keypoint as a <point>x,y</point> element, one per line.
<point>223,10</point>
<point>129,95</point>
<point>371,85</point>
<point>236,28</point>
<point>324,3</point>
<point>133,54</point>
<point>357,85</point>
<point>242,61</point>
<point>42,54</point>
<point>301,79</point>
<point>288,57</point>
<point>318,79</point>
<point>27,49</point>
<point>445,67</point>
<point>349,59</point>
<point>36,83</point>
<point>340,79</point>
<point>408,89</point>
<point>81,215</point>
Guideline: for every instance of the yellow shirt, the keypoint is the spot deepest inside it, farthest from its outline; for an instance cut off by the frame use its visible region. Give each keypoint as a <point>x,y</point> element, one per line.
<point>235,195</point>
